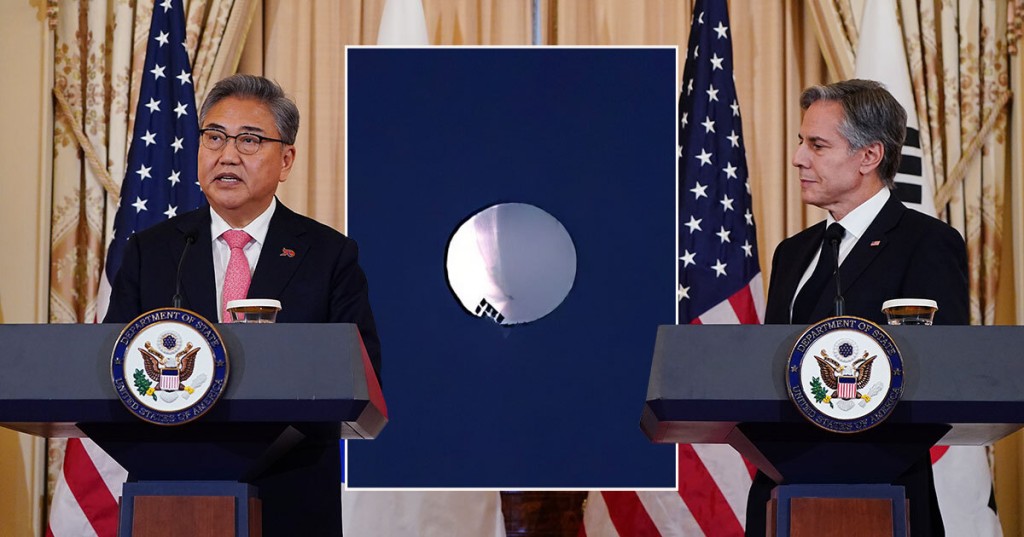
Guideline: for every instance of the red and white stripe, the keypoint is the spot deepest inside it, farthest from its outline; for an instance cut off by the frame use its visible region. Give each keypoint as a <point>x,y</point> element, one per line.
<point>711,500</point>
<point>746,306</point>
<point>85,497</point>
<point>87,491</point>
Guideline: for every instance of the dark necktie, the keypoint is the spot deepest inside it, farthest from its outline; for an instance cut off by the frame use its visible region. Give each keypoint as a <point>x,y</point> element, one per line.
<point>824,272</point>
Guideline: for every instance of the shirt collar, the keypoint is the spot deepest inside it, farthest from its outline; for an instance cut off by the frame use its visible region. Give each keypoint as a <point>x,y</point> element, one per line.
<point>856,222</point>
<point>257,229</point>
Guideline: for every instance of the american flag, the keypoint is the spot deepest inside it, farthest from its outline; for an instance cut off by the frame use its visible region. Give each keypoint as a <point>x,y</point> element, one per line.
<point>719,274</point>
<point>160,182</point>
<point>160,179</point>
<point>719,283</point>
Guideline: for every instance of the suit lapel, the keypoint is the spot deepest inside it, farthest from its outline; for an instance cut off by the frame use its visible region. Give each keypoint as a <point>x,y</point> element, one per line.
<point>198,286</point>
<point>802,256</point>
<point>282,252</point>
<point>863,253</point>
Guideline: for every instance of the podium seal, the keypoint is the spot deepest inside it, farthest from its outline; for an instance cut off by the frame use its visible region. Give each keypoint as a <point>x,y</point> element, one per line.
<point>845,374</point>
<point>169,366</point>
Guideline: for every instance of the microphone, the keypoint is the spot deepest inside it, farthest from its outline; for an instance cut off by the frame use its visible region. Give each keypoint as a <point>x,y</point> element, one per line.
<point>190,238</point>
<point>834,234</point>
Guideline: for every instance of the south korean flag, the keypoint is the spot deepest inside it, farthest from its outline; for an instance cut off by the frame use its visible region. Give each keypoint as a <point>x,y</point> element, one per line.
<point>882,57</point>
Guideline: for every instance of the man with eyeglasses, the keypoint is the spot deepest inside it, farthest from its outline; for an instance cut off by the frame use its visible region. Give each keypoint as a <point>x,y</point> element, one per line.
<point>248,244</point>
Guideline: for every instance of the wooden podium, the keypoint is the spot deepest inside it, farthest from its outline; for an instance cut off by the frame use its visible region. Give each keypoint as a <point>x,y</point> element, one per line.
<point>287,383</point>
<point>726,385</point>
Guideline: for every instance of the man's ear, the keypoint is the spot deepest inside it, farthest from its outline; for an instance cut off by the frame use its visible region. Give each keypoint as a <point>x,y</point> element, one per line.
<point>873,154</point>
<point>287,160</point>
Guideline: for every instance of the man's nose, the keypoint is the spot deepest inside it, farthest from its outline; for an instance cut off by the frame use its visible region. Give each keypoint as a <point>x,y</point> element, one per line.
<point>800,156</point>
<point>229,153</point>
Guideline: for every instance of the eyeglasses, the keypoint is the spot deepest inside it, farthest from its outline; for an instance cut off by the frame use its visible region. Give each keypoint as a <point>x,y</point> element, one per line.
<point>246,143</point>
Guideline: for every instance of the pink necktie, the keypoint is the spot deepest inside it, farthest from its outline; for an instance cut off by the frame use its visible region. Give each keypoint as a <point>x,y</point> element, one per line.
<point>236,278</point>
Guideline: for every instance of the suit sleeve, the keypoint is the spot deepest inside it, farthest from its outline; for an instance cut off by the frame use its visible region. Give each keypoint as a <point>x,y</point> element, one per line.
<point>125,298</point>
<point>938,270</point>
<point>350,301</point>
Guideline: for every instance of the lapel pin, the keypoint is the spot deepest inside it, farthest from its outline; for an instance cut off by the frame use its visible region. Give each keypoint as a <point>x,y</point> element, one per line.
<point>873,243</point>
<point>285,252</point>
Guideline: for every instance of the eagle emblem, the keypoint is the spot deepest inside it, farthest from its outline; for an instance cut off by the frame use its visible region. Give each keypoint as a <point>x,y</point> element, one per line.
<point>855,379</point>
<point>167,368</point>
<point>845,381</point>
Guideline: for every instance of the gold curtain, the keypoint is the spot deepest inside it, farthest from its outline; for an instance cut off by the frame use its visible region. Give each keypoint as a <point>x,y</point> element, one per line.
<point>301,45</point>
<point>85,76</point>
<point>958,59</point>
<point>836,23</point>
<point>1009,453</point>
<point>959,64</point>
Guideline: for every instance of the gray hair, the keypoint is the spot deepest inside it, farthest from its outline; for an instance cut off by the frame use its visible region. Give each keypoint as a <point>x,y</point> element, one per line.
<point>286,114</point>
<point>870,114</point>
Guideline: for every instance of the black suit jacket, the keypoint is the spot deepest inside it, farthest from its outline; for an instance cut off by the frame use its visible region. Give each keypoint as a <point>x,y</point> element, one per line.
<point>311,268</point>
<point>902,254</point>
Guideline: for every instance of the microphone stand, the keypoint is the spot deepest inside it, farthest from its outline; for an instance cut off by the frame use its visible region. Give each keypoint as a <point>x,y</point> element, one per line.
<point>176,300</point>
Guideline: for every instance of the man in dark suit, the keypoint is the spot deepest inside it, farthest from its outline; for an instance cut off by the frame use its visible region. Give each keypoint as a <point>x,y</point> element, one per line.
<point>849,152</point>
<point>246,243</point>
